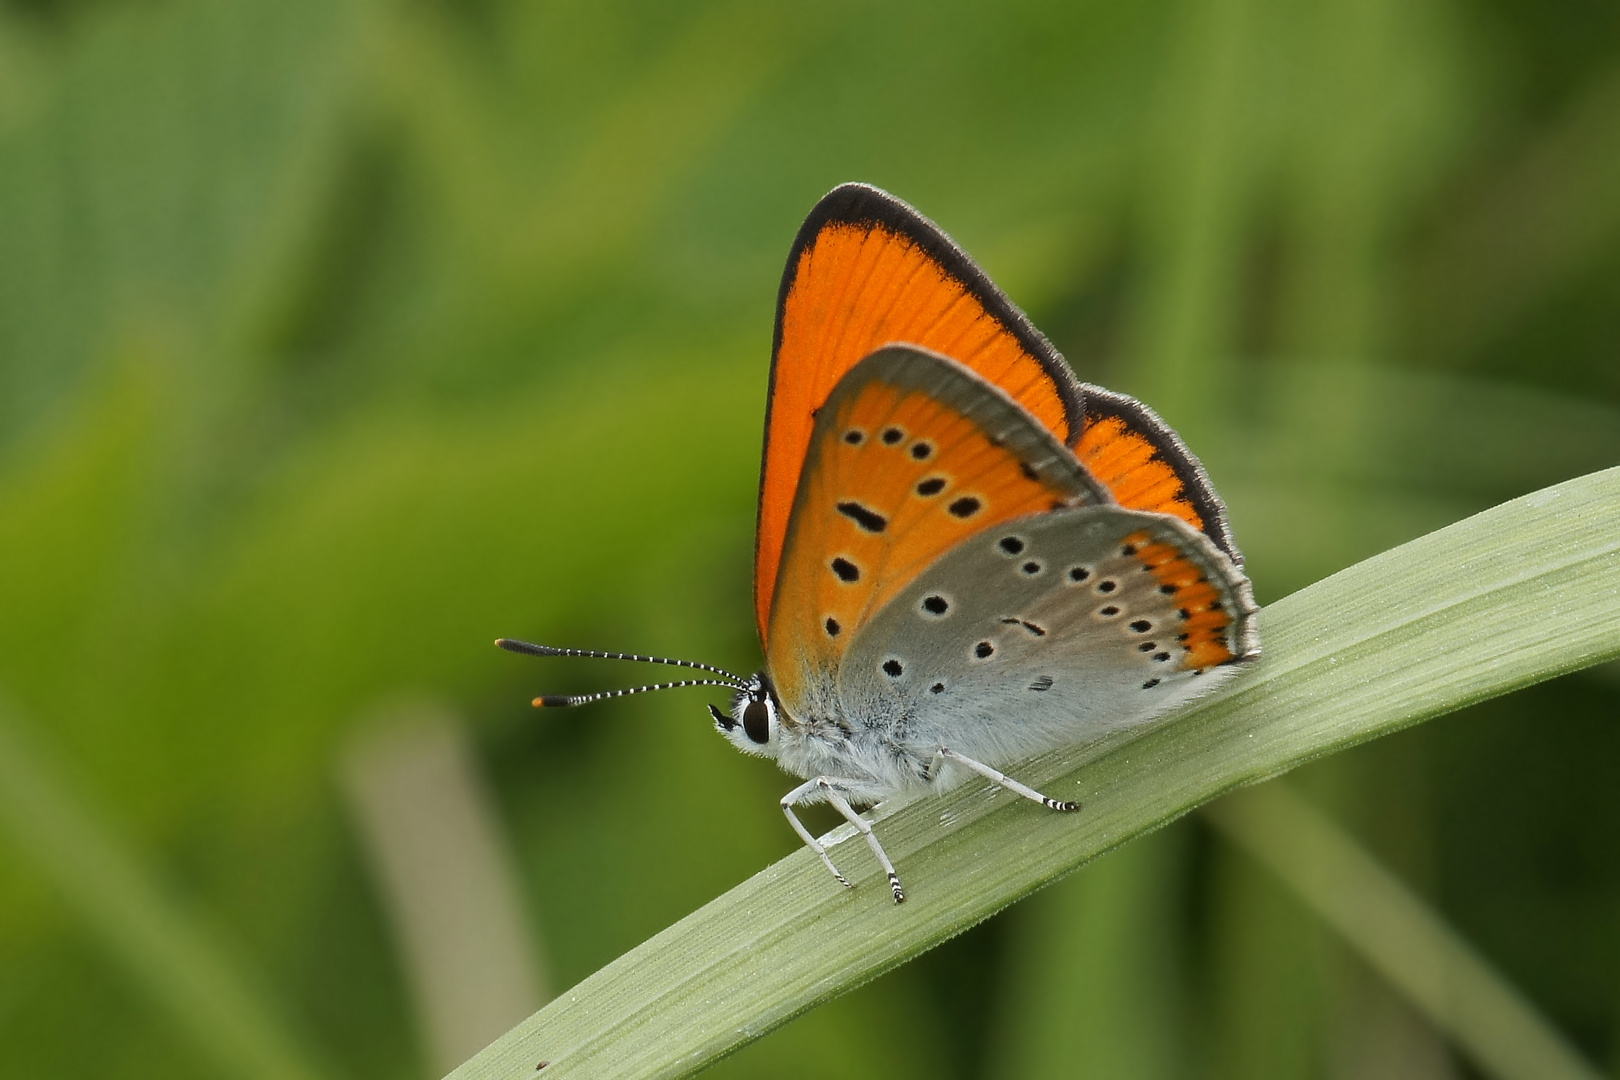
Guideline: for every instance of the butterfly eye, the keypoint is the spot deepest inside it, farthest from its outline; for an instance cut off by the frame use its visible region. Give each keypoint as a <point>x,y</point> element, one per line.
<point>757,722</point>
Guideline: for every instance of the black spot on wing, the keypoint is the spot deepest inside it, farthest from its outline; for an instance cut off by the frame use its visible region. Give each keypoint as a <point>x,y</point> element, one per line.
<point>865,517</point>
<point>846,570</point>
<point>965,507</point>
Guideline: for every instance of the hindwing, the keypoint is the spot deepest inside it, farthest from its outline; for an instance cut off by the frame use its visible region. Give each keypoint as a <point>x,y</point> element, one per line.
<point>1049,630</point>
<point>911,455</point>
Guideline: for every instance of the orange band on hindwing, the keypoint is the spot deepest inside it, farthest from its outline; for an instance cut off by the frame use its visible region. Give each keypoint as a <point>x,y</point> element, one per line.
<point>1204,615</point>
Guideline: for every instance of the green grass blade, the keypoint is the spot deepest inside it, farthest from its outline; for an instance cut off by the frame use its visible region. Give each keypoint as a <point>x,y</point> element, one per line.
<point>1399,935</point>
<point>1522,592</point>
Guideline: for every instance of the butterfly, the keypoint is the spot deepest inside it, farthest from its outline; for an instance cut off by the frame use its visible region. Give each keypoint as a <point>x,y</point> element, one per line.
<point>964,556</point>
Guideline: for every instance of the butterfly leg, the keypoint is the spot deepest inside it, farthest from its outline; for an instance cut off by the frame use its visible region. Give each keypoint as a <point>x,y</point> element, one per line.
<point>825,788</point>
<point>997,776</point>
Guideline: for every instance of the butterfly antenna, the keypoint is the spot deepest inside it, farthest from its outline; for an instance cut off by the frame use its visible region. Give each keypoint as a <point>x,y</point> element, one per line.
<point>559,701</point>
<point>728,679</point>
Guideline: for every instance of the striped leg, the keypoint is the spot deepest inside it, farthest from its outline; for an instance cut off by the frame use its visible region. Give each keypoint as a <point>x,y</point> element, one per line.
<point>843,807</point>
<point>811,791</point>
<point>826,788</point>
<point>997,776</point>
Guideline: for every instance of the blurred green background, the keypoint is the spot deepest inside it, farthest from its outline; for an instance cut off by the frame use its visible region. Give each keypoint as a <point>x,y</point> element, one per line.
<point>338,337</point>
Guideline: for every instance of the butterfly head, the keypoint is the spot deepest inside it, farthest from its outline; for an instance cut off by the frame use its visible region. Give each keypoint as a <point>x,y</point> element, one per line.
<point>753,723</point>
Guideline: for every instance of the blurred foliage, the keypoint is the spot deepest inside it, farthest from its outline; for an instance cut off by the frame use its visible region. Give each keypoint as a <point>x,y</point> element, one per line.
<point>337,338</point>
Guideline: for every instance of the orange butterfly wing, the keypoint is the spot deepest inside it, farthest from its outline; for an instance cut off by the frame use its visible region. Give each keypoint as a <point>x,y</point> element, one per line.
<point>912,454</point>
<point>1145,465</point>
<point>867,270</point>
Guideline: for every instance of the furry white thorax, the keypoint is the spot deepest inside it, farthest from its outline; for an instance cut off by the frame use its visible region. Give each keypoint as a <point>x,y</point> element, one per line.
<point>872,766</point>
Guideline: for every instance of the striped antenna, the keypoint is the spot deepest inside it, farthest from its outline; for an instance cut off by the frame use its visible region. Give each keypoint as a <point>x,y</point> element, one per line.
<point>559,701</point>
<point>530,649</point>
<point>553,701</point>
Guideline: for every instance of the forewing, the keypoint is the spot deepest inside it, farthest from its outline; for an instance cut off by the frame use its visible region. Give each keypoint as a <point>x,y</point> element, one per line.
<point>912,454</point>
<point>1145,465</point>
<point>1049,630</point>
<point>867,270</point>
